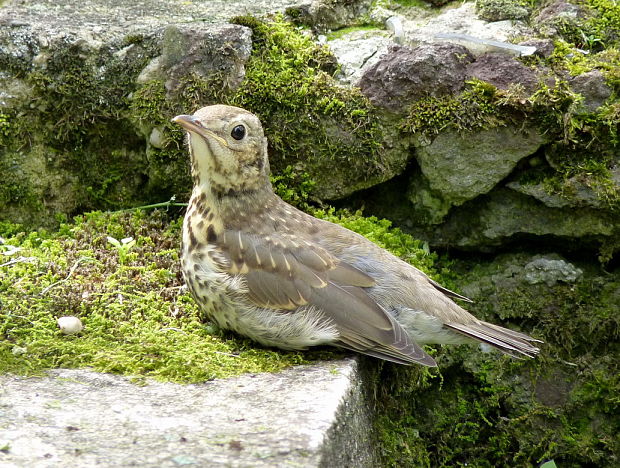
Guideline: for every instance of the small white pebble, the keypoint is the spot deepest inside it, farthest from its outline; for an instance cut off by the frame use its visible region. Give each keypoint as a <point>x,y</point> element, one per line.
<point>70,325</point>
<point>19,350</point>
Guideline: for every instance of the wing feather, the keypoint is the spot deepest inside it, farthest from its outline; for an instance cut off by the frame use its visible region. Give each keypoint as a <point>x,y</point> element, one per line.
<point>285,273</point>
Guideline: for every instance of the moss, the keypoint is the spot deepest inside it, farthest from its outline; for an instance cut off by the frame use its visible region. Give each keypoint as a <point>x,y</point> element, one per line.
<point>602,28</point>
<point>311,122</point>
<point>581,145</point>
<point>337,34</point>
<point>475,108</point>
<point>72,127</point>
<point>490,410</point>
<point>138,319</point>
<point>308,118</point>
<point>498,10</point>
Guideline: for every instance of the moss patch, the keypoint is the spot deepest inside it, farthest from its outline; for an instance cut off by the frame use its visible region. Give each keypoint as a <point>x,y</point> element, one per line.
<point>313,125</point>
<point>582,145</point>
<point>488,410</point>
<point>138,319</point>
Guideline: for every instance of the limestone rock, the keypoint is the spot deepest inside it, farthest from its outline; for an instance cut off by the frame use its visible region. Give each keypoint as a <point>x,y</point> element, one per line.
<point>499,10</point>
<point>544,47</point>
<point>575,193</point>
<point>460,167</point>
<point>358,51</point>
<point>203,51</point>
<point>504,215</point>
<point>404,75</point>
<point>307,416</point>
<point>462,19</point>
<point>323,15</point>
<point>68,71</point>
<point>550,271</point>
<point>556,16</point>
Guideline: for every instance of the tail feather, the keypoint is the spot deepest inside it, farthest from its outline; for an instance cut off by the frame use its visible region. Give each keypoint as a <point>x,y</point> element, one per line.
<point>507,341</point>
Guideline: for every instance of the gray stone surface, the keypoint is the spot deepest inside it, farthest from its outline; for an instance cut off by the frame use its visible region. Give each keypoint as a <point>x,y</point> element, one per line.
<point>104,19</point>
<point>306,416</point>
<point>500,10</point>
<point>592,86</point>
<point>323,15</point>
<point>558,15</point>
<point>461,19</point>
<point>575,193</point>
<point>460,167</point>
<point>504,215</point>
<point>550,271</point>
<point>359,51</point>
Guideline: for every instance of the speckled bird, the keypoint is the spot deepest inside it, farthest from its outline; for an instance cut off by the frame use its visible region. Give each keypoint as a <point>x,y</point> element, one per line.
<point>268,271</point>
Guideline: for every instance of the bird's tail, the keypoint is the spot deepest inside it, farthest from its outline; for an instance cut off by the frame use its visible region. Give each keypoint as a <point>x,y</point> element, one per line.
<point>508,341</point>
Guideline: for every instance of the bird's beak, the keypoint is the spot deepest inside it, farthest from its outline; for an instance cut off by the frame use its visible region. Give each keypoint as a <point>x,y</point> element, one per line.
<point>191,124</point>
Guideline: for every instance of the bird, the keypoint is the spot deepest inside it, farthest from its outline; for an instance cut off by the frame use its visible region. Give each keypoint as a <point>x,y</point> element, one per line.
<point>268,271</point>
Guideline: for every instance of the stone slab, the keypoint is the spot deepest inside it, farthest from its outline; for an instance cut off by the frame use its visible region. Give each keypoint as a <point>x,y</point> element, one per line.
<point>306,416</point>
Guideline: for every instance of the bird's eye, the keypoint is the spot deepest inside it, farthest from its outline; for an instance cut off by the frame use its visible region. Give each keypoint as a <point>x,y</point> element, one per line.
<point>238,132</point>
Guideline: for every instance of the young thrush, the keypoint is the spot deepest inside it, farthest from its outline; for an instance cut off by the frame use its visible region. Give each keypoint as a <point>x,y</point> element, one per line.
<point>260,267</point>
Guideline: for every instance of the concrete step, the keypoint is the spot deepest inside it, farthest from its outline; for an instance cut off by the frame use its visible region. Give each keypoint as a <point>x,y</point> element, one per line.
<point>306,416</point>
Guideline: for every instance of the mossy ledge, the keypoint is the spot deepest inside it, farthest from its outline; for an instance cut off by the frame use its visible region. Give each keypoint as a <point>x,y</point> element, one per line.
<point>100,135</point>
<point>486,410</point>
<point>313,125</point>
<point>139,320</point>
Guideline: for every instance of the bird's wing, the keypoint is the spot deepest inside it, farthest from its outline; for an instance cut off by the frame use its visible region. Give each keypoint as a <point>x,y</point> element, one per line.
<point>282,271</point>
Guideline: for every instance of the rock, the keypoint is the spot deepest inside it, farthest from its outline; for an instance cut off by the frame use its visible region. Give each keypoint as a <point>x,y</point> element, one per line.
<point>429,205</point>
<point>358,51</point>
<point>592,86</point>
<point>575,193</point>
<point>559,9</point>
<point>499,10</point>
<point>324,15</point>
<point>462,20</point>
<point>69,325</point>
<point>195,50</point>
<point>503,70</point>
<point>459,167</point>
<point>559,15</point>
<point>307,416</point>
<point>550,271</point>
<point>544,47</point>
<point>404,75</point>
<point>69,73</point>
<point>504,216</point>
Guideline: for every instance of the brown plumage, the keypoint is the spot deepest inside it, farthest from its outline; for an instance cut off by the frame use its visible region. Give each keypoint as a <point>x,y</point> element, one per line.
<point>268,271</point>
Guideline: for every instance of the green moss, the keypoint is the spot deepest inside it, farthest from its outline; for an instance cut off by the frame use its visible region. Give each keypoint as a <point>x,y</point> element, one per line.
<point>293,187</point>
<point>487,410</point>
<point>475,108</point>
<point>138,319</point>
<point>311,122</point>
<point>581,145</point>
<point>603,28</point>
<point>307,116</point>
<point>498,10</point>
<point>338,33</point>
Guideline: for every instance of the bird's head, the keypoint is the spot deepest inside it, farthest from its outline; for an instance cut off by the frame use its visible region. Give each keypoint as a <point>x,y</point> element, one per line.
<point>228,148</point>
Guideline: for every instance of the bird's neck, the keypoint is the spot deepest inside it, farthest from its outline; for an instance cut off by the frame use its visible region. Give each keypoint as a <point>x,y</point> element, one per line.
<point>231,205</point>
